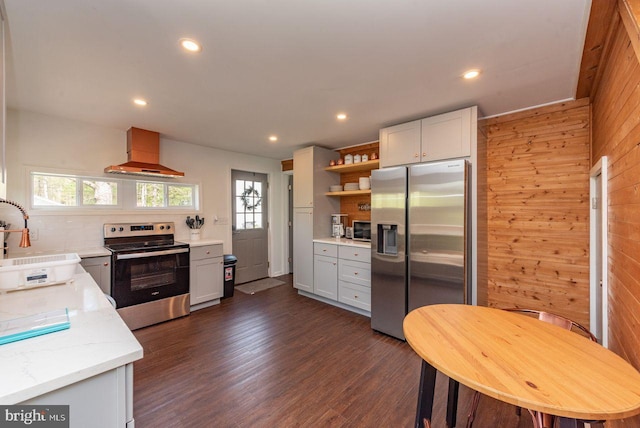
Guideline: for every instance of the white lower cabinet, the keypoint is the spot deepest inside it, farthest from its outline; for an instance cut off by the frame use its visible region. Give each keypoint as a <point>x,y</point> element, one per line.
<point>343,273</point>
<point>355,295</point>
<point>303,249</point>
<point>325,270</point>
<point>100,270</point>
<point>206,278</point>
<point>101,401</point>
<point>354,285</point>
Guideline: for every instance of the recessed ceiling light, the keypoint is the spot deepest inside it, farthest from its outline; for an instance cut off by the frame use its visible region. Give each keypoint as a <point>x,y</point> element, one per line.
<point>471,74</point>
<point>190,45</point>
<point>341,116</point>
<point>273,138</point>
<point>140,102</point>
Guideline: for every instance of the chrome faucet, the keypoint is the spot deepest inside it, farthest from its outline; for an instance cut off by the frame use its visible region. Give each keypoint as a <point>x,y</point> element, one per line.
<point>24,241</point>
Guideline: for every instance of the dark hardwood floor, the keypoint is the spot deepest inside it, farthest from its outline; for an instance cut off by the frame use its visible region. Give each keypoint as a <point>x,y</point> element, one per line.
<point>277,359</point>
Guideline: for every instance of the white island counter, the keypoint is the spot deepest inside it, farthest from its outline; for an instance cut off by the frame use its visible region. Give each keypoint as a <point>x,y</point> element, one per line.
<point>72,366</point>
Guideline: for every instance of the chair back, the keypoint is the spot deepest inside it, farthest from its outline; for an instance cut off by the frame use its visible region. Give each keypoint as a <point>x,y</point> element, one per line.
<point>558,320</point>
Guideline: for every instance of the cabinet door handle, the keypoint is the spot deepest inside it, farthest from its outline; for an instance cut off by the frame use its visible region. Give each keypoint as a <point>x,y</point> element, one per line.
<point>355,273</point>
<point>416,155</point>
<point>355,296</point>
<point>105,264</point>
<point>355,254</point>
<point>334,263</point>
<point>324,251</point>
<point>424,154</point>
<point>208,252</point>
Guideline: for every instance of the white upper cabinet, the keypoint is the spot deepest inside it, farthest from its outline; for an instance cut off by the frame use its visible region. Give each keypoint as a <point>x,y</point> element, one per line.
<point>310,179</point>
<point>400,144</point>
<point>445,136</point>
<point>303,178</point>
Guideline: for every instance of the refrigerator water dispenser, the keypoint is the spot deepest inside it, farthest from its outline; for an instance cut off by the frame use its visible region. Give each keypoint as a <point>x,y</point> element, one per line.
<point>388,239</point>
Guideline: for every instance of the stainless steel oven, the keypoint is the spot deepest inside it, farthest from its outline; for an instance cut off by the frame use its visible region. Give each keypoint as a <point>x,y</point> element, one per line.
<point>149,273</point>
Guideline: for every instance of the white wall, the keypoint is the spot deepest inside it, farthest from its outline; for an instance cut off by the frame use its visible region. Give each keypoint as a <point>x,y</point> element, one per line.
<point>36,140</point>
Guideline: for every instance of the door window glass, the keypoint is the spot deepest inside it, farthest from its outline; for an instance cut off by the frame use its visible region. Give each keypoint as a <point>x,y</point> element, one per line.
<point>248,204</point>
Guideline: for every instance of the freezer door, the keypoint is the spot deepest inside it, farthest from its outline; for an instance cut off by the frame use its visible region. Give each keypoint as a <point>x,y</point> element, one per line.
<point>388,256</point>
<point>437,229</point>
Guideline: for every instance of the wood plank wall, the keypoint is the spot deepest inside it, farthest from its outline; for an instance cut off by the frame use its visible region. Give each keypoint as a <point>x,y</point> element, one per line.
<point>483,237</point>
<point>352,205</point>
<point>537,202</point>
<point>616,134</point>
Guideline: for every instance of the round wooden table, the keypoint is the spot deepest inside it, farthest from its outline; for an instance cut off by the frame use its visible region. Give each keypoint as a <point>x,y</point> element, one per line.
<point>522,361</point>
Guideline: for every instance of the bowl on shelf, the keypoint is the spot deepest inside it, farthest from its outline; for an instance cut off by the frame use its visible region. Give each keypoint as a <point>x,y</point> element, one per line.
<point>335,188</point>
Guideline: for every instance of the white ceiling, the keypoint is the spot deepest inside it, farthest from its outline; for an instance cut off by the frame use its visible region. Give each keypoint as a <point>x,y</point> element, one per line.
<point>286,67</point>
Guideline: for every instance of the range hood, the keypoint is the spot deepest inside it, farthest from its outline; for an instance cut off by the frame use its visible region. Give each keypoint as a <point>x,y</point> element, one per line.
<point>143,155</point>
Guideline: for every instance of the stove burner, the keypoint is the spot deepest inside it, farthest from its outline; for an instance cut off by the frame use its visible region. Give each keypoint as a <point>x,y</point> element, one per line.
<point>120,237</point>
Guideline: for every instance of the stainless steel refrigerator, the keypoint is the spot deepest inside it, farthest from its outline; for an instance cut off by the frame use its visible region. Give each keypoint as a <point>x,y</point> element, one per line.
<point>419,249</point>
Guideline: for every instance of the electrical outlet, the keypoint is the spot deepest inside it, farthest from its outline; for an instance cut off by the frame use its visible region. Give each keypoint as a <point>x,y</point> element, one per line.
<point>33,234</point>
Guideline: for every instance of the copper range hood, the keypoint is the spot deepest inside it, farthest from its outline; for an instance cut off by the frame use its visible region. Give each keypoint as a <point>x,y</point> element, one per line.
<point>143,155</point>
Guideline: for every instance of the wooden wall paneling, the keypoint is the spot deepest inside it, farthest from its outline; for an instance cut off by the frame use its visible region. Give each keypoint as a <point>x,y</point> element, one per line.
<point>483,237</point>
<point>535,114</point>
<point>287,165</point>
<point>626,322</point>
<point>367,148</point>
<point>597,30</point>
<point>616,134</point>
<point>613,23</point>
<point>622,92</point>
<point>349,204</point>
<point>629,11</point>
<point>537,203</point>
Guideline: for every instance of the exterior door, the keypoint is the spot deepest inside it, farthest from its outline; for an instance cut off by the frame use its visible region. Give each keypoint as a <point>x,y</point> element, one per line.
<point>250,225</point>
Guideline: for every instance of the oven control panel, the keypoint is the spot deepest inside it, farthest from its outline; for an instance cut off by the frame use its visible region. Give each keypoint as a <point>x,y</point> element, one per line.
<point>116,230</point>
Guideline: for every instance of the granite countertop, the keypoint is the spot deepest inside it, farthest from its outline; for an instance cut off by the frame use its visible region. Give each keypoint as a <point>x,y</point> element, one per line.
<point>97,341</point>
<point>344,241</point>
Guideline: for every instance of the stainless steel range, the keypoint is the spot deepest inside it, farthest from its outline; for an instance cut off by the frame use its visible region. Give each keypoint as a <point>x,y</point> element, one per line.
<point>149,272</point>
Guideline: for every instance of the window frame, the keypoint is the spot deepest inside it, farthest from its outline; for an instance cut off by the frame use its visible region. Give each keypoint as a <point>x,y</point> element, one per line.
<point>126,194</point>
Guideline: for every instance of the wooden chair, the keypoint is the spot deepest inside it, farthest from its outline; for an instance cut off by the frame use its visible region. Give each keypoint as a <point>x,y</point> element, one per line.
<point>540,420</point>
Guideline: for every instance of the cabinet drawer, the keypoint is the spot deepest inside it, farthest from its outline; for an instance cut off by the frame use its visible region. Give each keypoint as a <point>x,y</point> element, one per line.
<point>359,254</point>
<point>354,272</point>
<point>354,295</point>
<point>321,249</point>
<point>206,251</point>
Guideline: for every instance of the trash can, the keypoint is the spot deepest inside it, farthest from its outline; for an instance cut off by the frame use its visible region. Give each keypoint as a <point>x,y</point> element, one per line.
<point>229,274</point>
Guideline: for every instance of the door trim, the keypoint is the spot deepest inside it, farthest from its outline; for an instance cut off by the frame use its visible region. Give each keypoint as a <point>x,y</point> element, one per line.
<point>266,216</point>
<point>599,169</point>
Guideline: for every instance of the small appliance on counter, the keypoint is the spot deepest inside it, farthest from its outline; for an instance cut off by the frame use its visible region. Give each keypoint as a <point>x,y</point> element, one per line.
<point>361,230</point>
<point>338,222</point>
<point>348,232</point>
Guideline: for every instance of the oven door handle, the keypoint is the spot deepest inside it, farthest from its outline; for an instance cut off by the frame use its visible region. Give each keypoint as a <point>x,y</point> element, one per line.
<point>151,254</point>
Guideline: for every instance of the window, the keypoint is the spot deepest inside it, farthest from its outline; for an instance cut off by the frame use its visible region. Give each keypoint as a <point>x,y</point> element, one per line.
<point>164,195</point>
<point>66,191</point>
<point>248,204</point>
<point>51,190</point>
<point>149,195</point>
